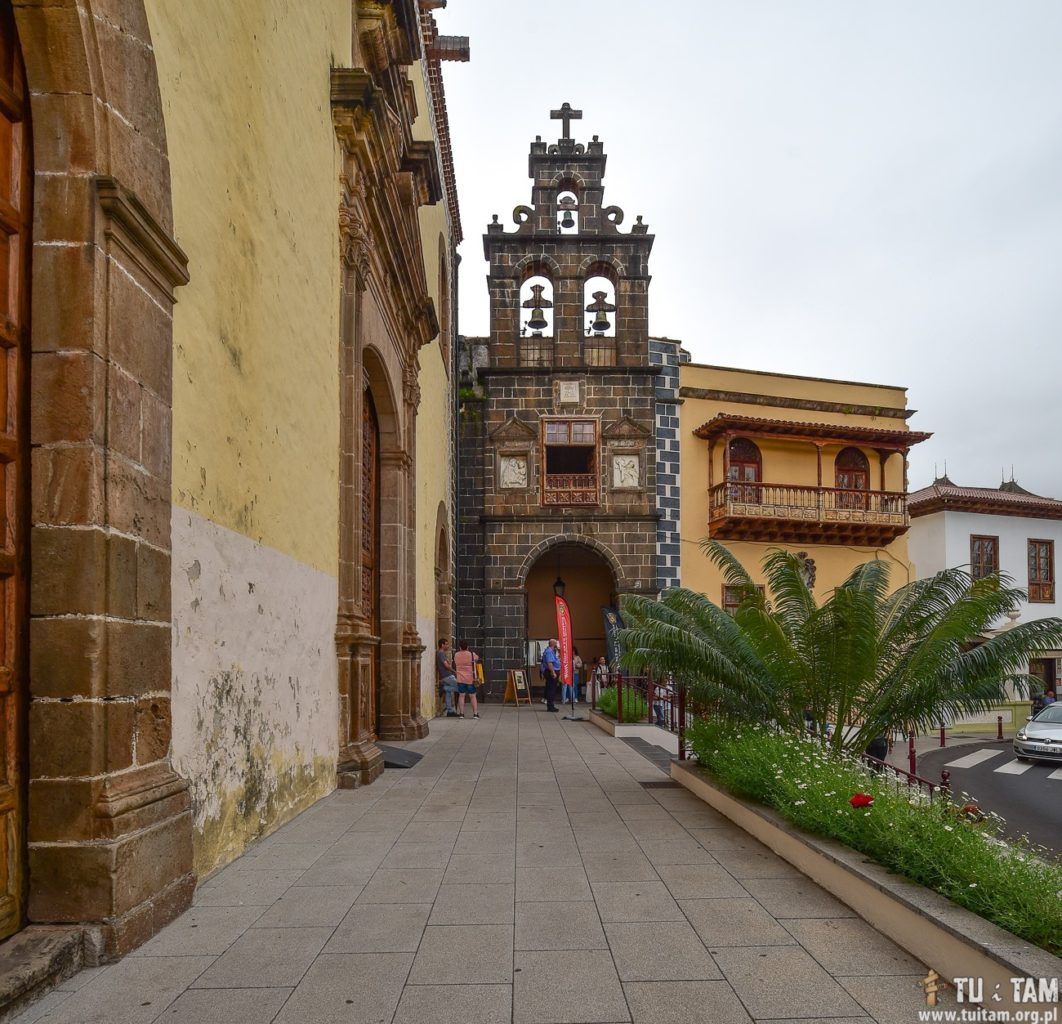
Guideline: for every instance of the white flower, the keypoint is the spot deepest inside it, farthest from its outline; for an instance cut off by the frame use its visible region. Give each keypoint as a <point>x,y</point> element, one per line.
<point>948,828</point>
<point>799,803</point>
<point>866,814</point>
<point>973,885</point>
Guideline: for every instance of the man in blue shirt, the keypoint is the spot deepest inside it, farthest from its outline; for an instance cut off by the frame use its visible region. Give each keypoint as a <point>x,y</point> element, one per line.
<point>550,672</point>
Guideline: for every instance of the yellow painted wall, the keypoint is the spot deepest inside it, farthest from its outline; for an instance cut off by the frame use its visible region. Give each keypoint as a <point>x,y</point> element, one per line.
<point>434,424</point>
<point>783,463</point>
<point>254,165</point>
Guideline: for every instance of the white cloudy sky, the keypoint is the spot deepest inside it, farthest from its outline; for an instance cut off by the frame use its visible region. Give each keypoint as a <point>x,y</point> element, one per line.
<point>859,189</point>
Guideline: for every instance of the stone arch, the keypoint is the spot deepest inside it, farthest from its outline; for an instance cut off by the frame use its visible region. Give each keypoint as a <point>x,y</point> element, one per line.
<point>609,261</point>
<point>536,263</point>
<point>104,273</point>
<point>578,541</point>
<point>568,177</point>
<point>385,394</point>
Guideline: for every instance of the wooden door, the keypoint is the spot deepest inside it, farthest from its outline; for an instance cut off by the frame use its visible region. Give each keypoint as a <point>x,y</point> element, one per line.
<point>370,540</point>
<point>16,212</point>
<point>851,475</point>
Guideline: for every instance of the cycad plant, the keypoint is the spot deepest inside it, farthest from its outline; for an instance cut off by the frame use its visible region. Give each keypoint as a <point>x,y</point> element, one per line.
<point>866,658</point>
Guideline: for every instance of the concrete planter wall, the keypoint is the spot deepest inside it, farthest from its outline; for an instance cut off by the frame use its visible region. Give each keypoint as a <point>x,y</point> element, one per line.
<point>953,941</point>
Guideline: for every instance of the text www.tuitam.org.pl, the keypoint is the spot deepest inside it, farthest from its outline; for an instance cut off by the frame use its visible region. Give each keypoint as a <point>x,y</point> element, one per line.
<point>1039,991</point>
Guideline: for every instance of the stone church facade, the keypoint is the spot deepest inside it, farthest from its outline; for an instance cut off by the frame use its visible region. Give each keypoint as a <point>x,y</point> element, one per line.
<point>569,439</point>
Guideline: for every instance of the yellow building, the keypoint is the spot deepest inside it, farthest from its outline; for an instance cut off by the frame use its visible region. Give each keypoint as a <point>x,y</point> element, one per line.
<point>231,253</point>
<point>814,466</point>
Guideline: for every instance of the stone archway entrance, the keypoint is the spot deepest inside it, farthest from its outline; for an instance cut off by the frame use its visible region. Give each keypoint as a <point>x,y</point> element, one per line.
<point>589,584</point>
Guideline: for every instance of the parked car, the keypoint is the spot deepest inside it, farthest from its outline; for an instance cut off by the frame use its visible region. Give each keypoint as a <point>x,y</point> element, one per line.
<point>1040,738</point>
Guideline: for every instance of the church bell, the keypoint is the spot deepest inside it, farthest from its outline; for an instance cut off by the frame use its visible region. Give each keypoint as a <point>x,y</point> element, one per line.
<point>600,323</point>
<point>567,221</point>
<point>537,321</point>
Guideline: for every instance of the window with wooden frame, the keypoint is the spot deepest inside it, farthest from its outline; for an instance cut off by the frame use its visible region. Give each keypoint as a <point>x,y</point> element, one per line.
<point>732,598</point>
<point>851,474</point>
<point>745,467</point>
<point>984,556</point>
<point>1041,571</point>
<point>570,462</point>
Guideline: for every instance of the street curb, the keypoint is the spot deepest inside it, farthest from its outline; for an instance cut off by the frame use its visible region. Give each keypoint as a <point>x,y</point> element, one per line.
<point>954,941</point>
<point>34,961</point>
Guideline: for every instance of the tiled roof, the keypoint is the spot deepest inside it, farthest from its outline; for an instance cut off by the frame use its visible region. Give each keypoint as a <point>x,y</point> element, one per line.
<point>430,33</point>
<point>891,436</point>
<point>1006,500</point>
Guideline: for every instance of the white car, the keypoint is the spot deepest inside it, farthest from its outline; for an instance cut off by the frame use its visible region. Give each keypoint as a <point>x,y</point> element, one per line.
<point>1040,738</point>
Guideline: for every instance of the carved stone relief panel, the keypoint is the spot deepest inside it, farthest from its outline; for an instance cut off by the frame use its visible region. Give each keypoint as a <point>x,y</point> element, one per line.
<point>626,471</point>
<point>513,472</point>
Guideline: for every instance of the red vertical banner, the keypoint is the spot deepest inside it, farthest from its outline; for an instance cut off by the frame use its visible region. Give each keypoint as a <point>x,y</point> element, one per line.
<point>564,637</point>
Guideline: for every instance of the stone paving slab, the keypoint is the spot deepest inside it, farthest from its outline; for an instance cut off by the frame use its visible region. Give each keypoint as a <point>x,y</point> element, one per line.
<point>519,874</point>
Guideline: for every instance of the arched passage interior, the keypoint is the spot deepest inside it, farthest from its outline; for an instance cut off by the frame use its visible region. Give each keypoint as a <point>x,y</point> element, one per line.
<point>589,586</point>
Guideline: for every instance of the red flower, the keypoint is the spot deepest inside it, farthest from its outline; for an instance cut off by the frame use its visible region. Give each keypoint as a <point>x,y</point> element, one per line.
<point>861,800</point>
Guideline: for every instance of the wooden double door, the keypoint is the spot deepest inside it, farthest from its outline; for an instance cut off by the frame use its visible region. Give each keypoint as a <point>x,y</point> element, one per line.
<point>16,213</point>
<point>370,541</point>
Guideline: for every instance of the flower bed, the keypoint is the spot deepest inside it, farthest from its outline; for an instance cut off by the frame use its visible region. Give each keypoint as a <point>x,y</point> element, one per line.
<point>634,707</point>
<point>952,849</point>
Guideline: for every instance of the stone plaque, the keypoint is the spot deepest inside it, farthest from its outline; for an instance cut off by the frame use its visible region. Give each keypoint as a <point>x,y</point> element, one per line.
<point>626,472</point>
<point>513,472</point>
<point>568,392</point>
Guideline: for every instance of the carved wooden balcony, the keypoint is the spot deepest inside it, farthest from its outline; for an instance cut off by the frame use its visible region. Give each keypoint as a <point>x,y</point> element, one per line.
<point>805,514</point>
<point>570,489</point>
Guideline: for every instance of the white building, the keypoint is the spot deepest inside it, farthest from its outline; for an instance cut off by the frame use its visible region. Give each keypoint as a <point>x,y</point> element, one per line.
<point>1005,528</point>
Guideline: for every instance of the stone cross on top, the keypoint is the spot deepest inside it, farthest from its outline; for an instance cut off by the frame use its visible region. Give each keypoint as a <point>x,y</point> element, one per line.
<point>567,115</point>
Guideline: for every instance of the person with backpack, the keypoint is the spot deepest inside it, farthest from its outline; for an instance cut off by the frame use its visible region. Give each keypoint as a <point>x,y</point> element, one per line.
<point>447,679</point>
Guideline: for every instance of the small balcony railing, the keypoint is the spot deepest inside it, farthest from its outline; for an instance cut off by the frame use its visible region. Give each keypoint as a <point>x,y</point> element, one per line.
<point>786,511</point>
<point>570,489</point>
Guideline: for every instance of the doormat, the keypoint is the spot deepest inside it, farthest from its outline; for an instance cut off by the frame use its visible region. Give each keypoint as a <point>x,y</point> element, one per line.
<point>398,757</point>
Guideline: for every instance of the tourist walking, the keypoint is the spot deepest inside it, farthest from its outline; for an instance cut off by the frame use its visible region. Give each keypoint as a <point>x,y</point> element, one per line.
<point>577,674</point>
<point>550,669</point>
<point>447,679</point>
<point>465,662</point>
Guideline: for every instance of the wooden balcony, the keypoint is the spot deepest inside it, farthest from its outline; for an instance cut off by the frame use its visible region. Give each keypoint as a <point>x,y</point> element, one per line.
<point>570,489</point>
<point>805,515</point>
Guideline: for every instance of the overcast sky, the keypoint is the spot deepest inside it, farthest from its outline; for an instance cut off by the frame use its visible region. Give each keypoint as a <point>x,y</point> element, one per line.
<point>842,188</point>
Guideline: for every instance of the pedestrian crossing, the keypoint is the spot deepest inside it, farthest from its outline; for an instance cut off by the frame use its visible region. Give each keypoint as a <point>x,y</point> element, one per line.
<point>1012,767</point>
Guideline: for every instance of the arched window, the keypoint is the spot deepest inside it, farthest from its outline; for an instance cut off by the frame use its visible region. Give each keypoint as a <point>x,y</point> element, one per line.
<point>851,475</point>
<point>744,470</point>
<point>568,213</point>
<point>444,305</point>
<point>599,319</point>
<point>536,321</point>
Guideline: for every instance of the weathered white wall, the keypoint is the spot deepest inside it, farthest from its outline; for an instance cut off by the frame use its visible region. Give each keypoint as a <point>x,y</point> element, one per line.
<point>255,707</point>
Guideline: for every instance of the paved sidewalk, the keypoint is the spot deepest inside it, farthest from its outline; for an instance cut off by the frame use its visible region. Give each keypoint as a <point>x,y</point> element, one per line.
<point>527,870</point>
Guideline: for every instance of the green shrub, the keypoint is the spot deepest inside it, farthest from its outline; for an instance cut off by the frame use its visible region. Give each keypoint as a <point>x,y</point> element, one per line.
<point>635,708</point>
<point>952,849</point>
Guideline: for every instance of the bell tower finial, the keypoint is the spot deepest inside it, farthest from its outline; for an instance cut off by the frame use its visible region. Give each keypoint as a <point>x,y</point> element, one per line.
<point>567,115</point>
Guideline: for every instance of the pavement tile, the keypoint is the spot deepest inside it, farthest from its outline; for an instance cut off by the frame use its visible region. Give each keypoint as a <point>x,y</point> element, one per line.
<point>699,881</point>
<point>797,897</point>
<point>201,931</point>
<point>635,901</point>
<point>464,953</point>
<point>135,991</point>
<point>783,981</point>
<point>744,864</point>
<point>310,906</point>
<point>567,886</point>
<point>474,904</point>
<point>266,958</point>
<point>43,1006</point>
<point>225,1006</point>
<point>562,988</point>
<point>659,951</point>
<point>739,921</point>
<point>894,1000</point>
<point>287,857</point>
<point>683,1002</point>
<point>607,866</point>
<point>455,1004</point>
<point>681,850</point>
<point>563,926</point>
<point>851,946</point>
<point>405,855</point>
<point>429,831</point>
<point>546,853</point>
<point>414,885</point>
<point>249,888</point>
<point>355,989</point>
<point>336,868</point>
<point>725,837</point>
<point>489,866</point>
<point>489,821</point>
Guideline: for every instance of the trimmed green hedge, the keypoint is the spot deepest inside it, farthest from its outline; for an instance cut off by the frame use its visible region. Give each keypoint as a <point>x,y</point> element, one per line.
<point>635,708</point>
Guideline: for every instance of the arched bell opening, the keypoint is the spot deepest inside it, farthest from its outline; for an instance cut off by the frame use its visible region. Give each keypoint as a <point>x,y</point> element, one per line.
<point>568,213</point>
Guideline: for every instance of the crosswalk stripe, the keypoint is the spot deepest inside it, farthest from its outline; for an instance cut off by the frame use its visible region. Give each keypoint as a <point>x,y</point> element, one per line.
<point>1056,774</point>
<point>1014,768</point>
<point>976,758</point>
